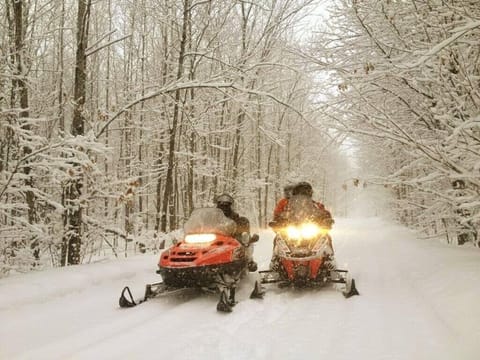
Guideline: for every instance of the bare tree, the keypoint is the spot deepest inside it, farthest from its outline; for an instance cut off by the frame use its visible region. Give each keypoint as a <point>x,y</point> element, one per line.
<point>405,74</point>
<point>72,239</point>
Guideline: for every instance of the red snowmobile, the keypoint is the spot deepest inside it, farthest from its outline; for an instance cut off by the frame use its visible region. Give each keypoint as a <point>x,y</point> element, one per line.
<point>303,254</point>
<point>208,257</point>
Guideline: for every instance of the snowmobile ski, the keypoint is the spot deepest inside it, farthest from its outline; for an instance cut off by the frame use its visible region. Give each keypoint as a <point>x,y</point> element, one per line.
<point>126,299</point>
<point>258,291</point>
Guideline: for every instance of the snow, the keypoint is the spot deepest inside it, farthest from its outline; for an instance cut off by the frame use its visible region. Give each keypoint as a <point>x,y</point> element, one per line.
<point>419,300</point>
<point>458,32</point>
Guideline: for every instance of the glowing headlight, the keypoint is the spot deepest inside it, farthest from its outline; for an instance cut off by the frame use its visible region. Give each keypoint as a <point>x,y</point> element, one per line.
<point>199,238</point>
<point>293,232</point>
<point>309,230</point>
<point>324,231</point>
<point>304,231</point>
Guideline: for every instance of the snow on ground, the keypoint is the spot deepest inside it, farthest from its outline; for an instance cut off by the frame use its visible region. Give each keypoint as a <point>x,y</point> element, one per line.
<point>419,300</point>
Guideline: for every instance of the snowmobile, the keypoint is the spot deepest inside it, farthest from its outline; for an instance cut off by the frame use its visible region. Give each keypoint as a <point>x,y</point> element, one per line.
<point>208,257</point>
<point>303,255</point>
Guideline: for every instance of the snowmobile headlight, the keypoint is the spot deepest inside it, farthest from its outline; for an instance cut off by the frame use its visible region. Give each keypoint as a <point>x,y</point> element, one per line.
<point>324,231</point>
<point>199,238</point>
<point>305,231</point>
<point>293,232</point>
<point>309,230</point>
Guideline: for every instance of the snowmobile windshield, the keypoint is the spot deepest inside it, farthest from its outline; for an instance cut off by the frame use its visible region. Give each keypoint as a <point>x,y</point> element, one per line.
<point>209,221</point>
<point>301,209</point>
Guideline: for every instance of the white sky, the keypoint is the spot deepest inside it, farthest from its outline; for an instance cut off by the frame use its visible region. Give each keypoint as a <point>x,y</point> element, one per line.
<point>317,12</point>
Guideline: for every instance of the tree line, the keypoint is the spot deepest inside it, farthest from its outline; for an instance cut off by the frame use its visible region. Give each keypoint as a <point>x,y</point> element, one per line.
<point>117,118</point>
<point>405,79</point>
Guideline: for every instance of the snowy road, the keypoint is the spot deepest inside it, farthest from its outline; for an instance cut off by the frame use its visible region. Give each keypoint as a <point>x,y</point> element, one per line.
<point>419,300</point>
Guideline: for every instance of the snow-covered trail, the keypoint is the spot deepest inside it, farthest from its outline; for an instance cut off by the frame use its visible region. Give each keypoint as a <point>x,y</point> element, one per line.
<point>419,300</point>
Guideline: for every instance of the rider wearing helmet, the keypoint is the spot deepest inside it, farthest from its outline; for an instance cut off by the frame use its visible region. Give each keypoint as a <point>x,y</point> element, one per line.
<point>304,188</point>
<point>300,189</point>
<point>225,203</point>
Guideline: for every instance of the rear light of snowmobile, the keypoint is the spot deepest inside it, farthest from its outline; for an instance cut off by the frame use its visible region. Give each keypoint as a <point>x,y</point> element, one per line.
<point>200,238</point>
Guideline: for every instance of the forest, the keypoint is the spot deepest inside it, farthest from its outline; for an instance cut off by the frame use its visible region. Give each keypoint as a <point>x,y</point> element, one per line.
<point>117,118</point>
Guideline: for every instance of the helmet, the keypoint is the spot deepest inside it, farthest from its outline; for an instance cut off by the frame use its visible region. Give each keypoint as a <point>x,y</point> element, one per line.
<point>303,188</point>
<point>224,198</point>
<point>287,190</point>
<point>224,202</point>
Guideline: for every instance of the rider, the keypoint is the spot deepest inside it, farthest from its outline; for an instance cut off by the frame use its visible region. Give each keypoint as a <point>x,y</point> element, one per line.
<point>324,219</point>
<point>302,188</point>
<point>225,202</point>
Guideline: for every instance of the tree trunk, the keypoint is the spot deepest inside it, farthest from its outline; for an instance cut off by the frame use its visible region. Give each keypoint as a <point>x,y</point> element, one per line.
<point>60,70</point>
<point>20,96</point>
<point>141,119</point>
<point>168,197</point>
<point>72,240</point>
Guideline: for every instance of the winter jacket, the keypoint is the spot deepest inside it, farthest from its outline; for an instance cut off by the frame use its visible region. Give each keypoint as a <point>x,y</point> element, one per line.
<point>282,205</point>
<point>243,224</point>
